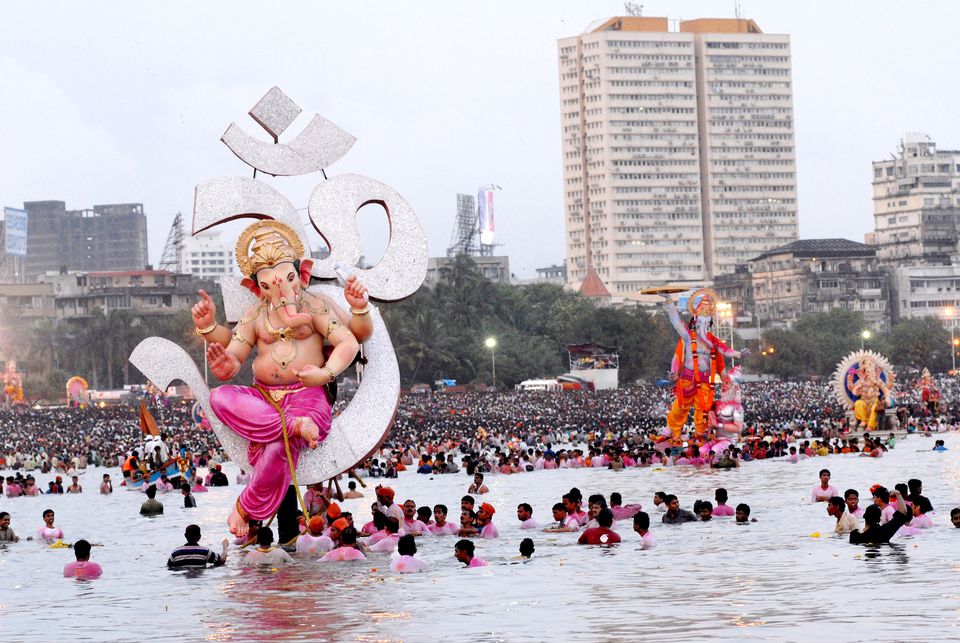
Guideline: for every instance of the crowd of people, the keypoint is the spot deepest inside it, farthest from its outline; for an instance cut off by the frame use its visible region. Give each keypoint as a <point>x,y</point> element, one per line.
<point>481,434</point>
<point>516,432</point>
<point>64,441</point>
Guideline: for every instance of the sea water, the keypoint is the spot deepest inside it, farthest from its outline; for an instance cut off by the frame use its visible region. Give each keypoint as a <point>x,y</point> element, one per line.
<point>773,579</point>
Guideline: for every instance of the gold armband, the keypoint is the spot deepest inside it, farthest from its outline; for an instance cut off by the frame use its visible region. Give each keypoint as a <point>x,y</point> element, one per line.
<point>240,338</point>
<point>329,371</point>
<point>205,331</point>
<point>333,327</point>
<point>359,312</point>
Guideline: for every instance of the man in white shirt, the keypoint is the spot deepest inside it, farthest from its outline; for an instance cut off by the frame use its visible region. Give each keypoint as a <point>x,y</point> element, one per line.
<point>313,541</point>
<point>846,522</point>
<point>386,505</point>
<point>823,491</point>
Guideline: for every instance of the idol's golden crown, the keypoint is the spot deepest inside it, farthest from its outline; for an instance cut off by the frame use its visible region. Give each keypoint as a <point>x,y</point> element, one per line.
<point>272,242</point>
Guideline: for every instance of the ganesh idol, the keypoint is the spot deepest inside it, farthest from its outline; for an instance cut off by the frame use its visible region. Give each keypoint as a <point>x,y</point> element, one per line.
<point>699,356</point>
<point>725,418</point>
<point>871,392</point>
<point>288,407</point>
<point>929,393</point>
<point>12,385</point>
<point>727,414</point>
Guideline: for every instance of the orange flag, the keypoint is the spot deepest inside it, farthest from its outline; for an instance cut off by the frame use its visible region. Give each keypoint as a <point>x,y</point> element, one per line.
<point>147,424</point>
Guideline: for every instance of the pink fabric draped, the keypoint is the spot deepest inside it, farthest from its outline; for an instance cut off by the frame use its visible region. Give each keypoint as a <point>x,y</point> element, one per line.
<point>243,409</point>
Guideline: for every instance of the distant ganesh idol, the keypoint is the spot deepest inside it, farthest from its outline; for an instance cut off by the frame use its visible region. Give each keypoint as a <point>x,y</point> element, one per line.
<point>288,406</point>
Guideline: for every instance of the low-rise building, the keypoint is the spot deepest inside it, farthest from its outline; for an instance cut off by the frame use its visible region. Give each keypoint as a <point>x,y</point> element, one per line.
<point>808,276</point>
<point>495,269</point>
<point>555,274</point>
<point>926,291</point>
<point>70,295</point>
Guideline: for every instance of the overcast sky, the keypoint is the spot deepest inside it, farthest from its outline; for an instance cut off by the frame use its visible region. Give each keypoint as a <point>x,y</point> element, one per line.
<point>111,102</point>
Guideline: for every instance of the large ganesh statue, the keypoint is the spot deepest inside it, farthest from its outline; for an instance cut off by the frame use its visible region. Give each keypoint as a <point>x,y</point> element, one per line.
<point>301,316</point>
<point>863,383</point>
<point>699,359</point>
<point>288,328</point>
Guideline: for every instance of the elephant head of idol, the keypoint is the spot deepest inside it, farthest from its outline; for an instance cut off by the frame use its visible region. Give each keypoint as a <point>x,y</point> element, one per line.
<point>270,256</point>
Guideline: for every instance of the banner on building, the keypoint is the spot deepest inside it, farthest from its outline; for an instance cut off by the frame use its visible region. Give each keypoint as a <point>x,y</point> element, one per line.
<point>485,216</point>
<point>15,231</point>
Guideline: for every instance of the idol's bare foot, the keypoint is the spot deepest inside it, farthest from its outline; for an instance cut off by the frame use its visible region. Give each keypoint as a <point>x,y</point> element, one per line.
<point>238,526</point>
<point>309,431</point>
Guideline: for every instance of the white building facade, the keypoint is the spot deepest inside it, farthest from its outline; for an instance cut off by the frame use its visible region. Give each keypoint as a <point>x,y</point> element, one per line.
<point>206,256</point>
<point>916,204</point>
<point>677,150</point>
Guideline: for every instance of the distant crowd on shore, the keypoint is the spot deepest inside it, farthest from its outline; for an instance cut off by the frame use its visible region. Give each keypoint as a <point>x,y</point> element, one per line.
<point>493,432</point>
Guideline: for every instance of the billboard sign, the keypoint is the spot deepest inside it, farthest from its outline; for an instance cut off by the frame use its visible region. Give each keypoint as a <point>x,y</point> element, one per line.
<point>485,216</point>
<point>15,231</point>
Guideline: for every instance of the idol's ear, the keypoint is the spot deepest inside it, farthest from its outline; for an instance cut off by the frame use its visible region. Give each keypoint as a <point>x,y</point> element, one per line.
<point>251,285</point>
<point>306,265</point>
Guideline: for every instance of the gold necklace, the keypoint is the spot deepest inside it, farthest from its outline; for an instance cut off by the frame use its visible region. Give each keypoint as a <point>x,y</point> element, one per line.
<point>282,335</point>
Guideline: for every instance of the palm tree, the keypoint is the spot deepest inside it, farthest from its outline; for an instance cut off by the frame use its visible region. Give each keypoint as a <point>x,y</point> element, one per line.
<point>421,339</point>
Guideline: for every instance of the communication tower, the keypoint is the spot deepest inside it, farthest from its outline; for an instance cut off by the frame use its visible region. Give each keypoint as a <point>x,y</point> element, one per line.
<point>173,248</point>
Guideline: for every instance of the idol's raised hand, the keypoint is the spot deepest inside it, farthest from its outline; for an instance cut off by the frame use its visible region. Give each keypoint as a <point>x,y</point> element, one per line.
<point>355,293</point>
<point>204,312</point>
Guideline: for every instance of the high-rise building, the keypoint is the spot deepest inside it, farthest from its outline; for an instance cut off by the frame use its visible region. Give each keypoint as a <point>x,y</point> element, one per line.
<point>108,237</point>
<point>204,255</point>
<point>916,204</point>
<point>677,150</point>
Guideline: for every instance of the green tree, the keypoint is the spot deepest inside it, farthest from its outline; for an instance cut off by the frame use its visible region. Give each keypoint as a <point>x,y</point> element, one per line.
<point>919,343</point>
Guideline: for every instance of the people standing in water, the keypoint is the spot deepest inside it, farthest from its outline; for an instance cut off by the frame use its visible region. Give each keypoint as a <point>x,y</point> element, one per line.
<point>407,562</point>
<point>82,568</point>
<point>875,533</point>
<point>464,552</point>
<point>846,522</point>
<point>266,555</point>
<point>823,491</point>
<point>49,533</point>
<point>193,554</point>
<point>7,534</point>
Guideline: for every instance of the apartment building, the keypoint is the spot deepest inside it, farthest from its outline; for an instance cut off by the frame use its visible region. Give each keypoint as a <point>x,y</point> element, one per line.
<point>677,148</point>
<point>916,204</point>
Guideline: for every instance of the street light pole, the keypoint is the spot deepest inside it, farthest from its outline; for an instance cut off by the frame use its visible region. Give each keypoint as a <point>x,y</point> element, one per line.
<point>491,343</point>
<point>950,313</point>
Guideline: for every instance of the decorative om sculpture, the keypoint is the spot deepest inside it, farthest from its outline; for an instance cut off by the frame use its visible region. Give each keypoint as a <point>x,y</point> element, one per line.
<point>281,427</point>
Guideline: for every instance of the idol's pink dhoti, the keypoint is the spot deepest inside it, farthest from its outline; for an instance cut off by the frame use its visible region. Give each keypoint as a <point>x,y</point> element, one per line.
<point>243,409</point>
